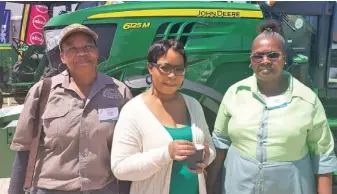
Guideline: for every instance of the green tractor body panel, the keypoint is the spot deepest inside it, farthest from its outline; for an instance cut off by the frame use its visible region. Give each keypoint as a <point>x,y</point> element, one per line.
<point>8,121</point>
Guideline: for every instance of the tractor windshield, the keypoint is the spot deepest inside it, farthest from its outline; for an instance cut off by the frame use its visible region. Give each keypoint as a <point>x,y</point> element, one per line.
<point>332,81</point>
<point>105,32</point>
<point>300,33</point>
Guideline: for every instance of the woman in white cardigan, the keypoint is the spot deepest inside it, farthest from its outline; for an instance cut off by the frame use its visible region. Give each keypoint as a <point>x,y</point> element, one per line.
<point>157,131</point>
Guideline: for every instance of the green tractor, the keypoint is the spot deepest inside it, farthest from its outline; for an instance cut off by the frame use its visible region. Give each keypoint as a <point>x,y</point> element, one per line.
<point>20,68</point>
<point>7,59</point>
<point>217,37</point>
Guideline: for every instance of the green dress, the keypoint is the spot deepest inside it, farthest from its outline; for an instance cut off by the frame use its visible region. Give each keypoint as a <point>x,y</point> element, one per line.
<point>182,180</point>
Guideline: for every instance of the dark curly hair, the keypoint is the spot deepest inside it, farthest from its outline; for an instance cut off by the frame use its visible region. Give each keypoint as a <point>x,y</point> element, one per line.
<point>161,47</point>
<point>271,28</point>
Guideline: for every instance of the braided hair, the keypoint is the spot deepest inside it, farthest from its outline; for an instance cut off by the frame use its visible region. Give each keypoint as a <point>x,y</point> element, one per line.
<point>271,29</point>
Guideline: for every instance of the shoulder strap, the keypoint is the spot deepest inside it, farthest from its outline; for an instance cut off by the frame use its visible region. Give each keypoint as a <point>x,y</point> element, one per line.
<point>46,86</point>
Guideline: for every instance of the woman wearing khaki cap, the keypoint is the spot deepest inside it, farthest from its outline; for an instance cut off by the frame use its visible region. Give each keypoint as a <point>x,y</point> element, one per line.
<point>78,124</point>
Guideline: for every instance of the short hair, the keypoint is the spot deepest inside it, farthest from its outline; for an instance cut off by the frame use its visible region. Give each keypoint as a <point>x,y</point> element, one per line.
<point>161,47</point>
<point>271,29</point>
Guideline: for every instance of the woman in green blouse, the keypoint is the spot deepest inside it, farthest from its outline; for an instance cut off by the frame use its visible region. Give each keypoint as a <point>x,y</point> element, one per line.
<point>272,129</point>
<point>159,129</point>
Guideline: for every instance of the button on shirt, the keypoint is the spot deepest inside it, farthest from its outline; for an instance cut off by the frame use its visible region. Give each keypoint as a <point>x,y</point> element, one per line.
<point>273,149</point>
<point>75,151</point>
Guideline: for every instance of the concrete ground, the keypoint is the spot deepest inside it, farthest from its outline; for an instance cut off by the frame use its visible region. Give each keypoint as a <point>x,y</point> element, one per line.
<point>4,182</point>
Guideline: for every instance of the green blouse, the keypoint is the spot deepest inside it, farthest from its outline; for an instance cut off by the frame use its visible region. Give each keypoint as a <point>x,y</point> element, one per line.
<point>182,180</point>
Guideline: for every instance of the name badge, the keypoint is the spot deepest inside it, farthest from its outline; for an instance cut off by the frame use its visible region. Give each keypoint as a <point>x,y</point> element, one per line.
<point>275,102</point>
<point>108,114</point>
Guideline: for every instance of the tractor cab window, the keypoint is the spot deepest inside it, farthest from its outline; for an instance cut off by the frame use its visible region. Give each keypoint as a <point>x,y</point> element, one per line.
<point>300,33</point>
<point>332,78</point>
<point>105,32</point>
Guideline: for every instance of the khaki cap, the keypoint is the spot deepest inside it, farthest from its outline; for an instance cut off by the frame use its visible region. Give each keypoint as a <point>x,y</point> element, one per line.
<point>76,28</point>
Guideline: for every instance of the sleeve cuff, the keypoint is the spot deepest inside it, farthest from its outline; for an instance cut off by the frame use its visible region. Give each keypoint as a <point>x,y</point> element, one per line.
<point>220,142</point>
<point>324,163</point>
<point>19,147</point>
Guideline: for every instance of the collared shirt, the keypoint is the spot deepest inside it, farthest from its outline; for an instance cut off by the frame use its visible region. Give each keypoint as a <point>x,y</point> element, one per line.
<point>75,151</point>
<point>273,148</point>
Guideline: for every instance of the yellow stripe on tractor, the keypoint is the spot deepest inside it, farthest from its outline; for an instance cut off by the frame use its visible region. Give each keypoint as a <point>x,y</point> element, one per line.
<point>217,13</point>
<point>5,48</point>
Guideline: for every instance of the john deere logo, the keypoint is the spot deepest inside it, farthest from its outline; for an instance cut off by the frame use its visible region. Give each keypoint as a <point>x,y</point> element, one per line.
<point>136,25</point>
<point>219,13</point>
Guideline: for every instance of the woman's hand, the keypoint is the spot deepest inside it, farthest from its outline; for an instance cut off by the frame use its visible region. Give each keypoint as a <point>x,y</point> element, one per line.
<point>204,164</point>
<point>324,183</point>
<point>181,149</point>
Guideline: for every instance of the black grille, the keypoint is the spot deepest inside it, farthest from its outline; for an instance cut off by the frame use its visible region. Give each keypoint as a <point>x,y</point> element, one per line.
<point>179,31</point>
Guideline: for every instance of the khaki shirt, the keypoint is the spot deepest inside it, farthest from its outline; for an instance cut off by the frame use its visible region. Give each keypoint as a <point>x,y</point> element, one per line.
<point>75,153</point>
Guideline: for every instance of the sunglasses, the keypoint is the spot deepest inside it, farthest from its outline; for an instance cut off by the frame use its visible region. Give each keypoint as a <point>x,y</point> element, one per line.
<point>167,69</point>
<point>272,56</point>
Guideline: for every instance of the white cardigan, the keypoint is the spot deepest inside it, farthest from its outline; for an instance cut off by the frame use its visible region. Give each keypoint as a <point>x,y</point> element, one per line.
<point>140,147</point>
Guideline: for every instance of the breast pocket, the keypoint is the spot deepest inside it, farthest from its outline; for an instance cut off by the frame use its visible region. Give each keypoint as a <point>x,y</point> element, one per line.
<point>55,121</point>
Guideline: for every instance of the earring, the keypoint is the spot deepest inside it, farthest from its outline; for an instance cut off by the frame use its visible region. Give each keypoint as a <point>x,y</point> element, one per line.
<point>250,66</point>
<point>148,79</point>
